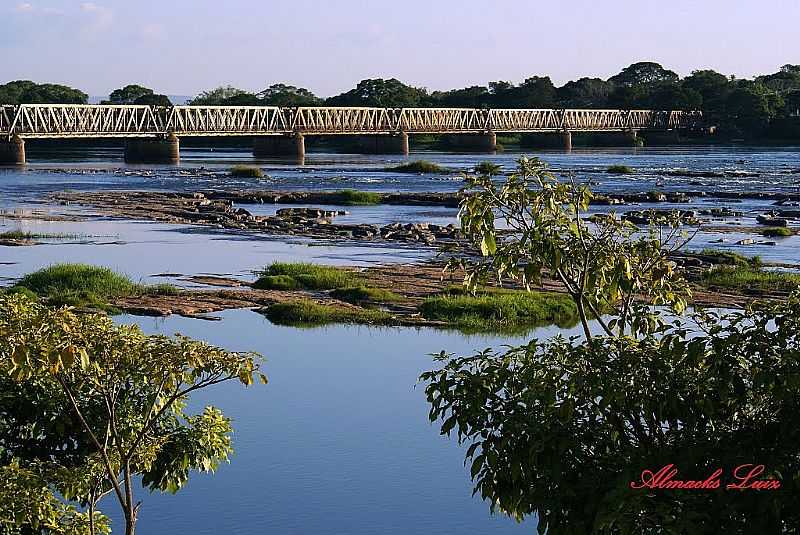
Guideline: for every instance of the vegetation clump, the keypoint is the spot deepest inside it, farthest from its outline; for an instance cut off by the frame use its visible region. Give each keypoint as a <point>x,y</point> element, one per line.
<point>351,197</point>
<point>84,285</point>
<point>503,310</point>
<point>359,295</point>
<point>419,166</point>
<point>246,171</point>
<point>747,278</point>
<point>777,232</point>
<point>731,258</point>
<point>25,235</point>
<point>620,170</point>
<point>307,313</point>
<point>306,276</point>
<point>488,168</point>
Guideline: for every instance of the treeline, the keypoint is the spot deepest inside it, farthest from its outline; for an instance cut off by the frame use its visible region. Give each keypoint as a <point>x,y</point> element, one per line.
<point>767,106</point>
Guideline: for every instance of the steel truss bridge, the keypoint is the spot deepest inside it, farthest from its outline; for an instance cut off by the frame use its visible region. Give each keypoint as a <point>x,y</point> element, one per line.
<point>36,121</point>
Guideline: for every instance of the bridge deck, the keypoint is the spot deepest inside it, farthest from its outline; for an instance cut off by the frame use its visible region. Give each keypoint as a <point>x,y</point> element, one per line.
<point>101,121</point>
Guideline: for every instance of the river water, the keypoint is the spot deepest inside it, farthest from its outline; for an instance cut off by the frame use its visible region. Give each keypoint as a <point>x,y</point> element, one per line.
<point>339,441</point>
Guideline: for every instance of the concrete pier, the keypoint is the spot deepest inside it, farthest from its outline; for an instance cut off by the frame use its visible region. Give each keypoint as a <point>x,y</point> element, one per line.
<point>384,144</point>
<point>270,146</point>
<point>476,142</point>
<point>153,150</point>
<point>12,152</point>
<point>566,140</point>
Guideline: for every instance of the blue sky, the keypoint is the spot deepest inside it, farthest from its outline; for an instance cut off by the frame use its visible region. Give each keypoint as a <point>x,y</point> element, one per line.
<point>186,46</point>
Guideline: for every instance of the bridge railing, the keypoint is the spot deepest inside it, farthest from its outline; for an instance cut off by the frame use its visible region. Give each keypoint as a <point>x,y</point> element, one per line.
<point>73,120</point>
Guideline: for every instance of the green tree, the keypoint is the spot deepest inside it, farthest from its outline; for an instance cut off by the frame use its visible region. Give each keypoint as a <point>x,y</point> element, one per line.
<point>128,94</point>
<point>223,95</point>
<point>585,93</point>
<point>122,396</point>
<point>560,429</point>
<point>289,96</point>
<point>27,92</point>
<point>391,93</point>
<point>470,97</point>
<point>643,73</point>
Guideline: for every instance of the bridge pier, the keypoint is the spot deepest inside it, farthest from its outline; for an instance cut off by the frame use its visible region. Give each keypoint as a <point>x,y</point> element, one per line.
<point>269,146</point>
<point>12,152</point>
<point>566,140</point>
<point>384,144</point>
<point>476,142</point>
<point>153,150</point>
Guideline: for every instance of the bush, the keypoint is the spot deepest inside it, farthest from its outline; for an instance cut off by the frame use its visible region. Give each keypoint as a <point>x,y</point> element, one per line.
<point>488,168</point>
<point>620,170</point>
<point>731,258</point>
<point>419,166</point>
<point>246,171</point>
<point>307,313</point>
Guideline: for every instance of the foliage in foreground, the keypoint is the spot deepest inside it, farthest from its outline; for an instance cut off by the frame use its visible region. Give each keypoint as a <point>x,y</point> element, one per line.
<point>559,429</point>
<point>90,407</point>
<point>85,285</point>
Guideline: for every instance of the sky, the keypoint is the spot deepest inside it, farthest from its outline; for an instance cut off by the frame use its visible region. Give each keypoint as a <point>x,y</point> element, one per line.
<point>182,47</point>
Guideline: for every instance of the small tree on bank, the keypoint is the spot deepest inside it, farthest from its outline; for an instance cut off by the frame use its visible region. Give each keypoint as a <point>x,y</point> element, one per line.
<point>560,429</point>
<point>106,404</point>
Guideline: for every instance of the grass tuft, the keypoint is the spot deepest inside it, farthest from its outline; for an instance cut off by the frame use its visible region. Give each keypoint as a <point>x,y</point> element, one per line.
<point>305,276</point>
<point>747,278</point>
<point>620,170</point>
<point>307,313</point>
<point>500,310</point>
<point>358,295</point>
<point>246,171</point>
<point>351,197</point>
<point>777,232</point>
<point>730,258</point>
<point>419,166</point>
<point>83,285</point>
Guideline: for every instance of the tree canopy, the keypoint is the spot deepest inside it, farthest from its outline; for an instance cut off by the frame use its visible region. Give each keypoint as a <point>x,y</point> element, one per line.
<point>102,405</point>
<point>27,92</point>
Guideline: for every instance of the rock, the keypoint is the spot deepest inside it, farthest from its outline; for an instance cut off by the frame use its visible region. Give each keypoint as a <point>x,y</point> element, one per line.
<point>772,221</point>
<point>746,241</point>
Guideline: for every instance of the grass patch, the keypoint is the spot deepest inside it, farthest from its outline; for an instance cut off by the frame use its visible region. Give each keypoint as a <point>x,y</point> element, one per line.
<point>419,166</point>
<point>279,276</point>
<point>746,278</point>
<point>351,197</point>
<point>620,170</point>
<point>731,258</point>
<point>246,171</point>
<point>306,313</point>
<point>489,168</point>
<point>362,294</point>
<point>777,232</point>
<point>500,310</point>
<point>83,285</point>
<point>24,235</point>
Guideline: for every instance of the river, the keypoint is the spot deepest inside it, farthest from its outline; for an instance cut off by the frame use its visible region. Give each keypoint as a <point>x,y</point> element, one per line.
<point>339,441</point>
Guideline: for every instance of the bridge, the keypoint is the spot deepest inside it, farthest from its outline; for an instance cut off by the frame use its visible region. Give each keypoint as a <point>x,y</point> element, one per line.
<point>153,132</point>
